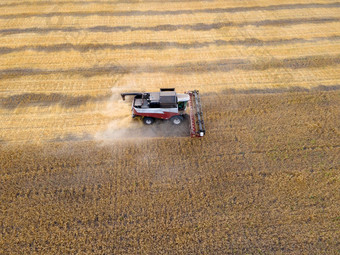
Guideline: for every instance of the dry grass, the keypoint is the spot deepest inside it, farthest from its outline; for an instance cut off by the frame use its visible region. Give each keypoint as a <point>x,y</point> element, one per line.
<point>77,175</point>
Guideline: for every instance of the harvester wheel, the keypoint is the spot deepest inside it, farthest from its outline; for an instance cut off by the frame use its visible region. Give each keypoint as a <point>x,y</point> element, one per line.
<point>148,120</point>
<point>176,120</point>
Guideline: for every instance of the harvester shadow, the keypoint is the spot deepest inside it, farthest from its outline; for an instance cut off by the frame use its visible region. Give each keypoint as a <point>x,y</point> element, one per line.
<point>162,128</point>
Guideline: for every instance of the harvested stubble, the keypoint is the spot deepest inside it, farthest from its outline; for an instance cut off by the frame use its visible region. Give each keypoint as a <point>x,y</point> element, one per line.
<point>81,51</point>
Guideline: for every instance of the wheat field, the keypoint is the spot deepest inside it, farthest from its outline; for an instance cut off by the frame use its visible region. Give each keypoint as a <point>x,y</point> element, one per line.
<point>79,176</point>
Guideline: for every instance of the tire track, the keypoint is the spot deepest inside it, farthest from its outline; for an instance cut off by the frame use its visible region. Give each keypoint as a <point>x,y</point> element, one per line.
<point>161,45</point>
<point>169,27</point>
<point>173,12</point>
<point>306,62</point>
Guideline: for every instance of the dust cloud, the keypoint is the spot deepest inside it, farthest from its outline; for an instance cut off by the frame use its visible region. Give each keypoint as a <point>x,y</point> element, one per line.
<point>123,126</point>
<point>120,113</point>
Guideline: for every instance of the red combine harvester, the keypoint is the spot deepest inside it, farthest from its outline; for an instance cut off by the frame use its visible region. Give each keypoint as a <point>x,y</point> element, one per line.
<point>169,105</point>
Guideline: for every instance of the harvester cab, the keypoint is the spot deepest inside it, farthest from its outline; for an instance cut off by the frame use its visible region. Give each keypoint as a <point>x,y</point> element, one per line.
<point>169,105</point>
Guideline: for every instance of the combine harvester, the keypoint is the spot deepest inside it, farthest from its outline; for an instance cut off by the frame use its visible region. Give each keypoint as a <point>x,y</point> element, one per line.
<point>168,105</point>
